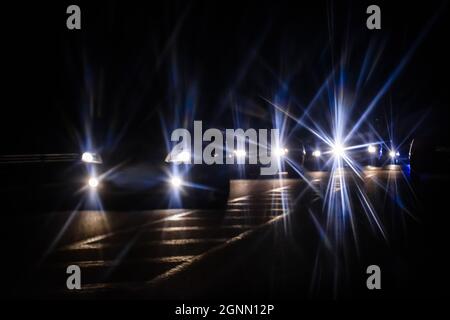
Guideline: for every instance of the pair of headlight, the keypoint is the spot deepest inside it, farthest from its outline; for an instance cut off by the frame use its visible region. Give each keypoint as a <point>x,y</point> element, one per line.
<point>185,156</point>
<point>89,157</point>
<point>394,154</point>
<point>337,150</point>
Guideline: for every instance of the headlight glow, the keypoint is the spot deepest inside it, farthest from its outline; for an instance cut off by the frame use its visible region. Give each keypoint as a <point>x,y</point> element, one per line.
<point>394,154</point>
<point>338,150</point>
<point>93,182</point>
<point>372,149</point>
<point>281,152</point>
<point>90,157</point>
<point>176,182</point>
<point>316,153</point>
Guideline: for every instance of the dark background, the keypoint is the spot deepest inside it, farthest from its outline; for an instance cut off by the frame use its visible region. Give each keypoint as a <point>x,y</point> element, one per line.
<point>145,65</point>
<point>137,70</point>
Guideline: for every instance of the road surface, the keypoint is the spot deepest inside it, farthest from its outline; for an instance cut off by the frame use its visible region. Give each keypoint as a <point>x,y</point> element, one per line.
<point>293,238</point>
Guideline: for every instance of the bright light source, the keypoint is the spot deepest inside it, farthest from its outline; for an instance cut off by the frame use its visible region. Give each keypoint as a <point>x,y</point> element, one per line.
<point>392,154</point>
<point>87,157</point>
<point>338,150</point>
<point>281,152</point>
<point>317,153</point>
<point>183,156</point>
<point>176,182</point>
<point>240,153</point>
<point>93,182</point>
<point>90,157</point>
<point>372,149</point>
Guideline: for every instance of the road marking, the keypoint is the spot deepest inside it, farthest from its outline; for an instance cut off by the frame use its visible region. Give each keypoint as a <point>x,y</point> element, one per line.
<point>174,216</point>
<point>185,261</point>
<point>107,235</point>
<point>238,199</point>
<point>173,242</point>
<point>96,287</point>
<point>115,263</point>
<point>196,259</point>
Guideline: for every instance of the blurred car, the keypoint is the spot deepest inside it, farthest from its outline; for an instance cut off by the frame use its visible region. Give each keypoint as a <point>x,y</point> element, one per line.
<point>392,154</point>
<point>111,180</point>
<point>320,155</point>
<point>35,180</point>
<point>152,179</point>
<point>290,157</point>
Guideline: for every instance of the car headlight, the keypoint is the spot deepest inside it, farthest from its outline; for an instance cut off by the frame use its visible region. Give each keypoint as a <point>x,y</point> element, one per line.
<point>281,152</point>
<point>316,153</point>
<point>90,157</point>
<point>394,154</point>
<point>371,149</point>
<point>176,182</point>
<point>338,150</point>
<point>93,182</point>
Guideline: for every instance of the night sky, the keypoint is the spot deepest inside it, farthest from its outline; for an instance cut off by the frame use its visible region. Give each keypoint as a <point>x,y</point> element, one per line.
<point>133,68</point>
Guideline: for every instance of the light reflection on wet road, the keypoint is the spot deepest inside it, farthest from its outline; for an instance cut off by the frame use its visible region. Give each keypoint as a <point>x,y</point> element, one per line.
<point>140,253</point>
<point>117,250</point>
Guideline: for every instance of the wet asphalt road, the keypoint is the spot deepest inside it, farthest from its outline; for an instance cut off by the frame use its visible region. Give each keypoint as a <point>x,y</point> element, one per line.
<point>276,239</point>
